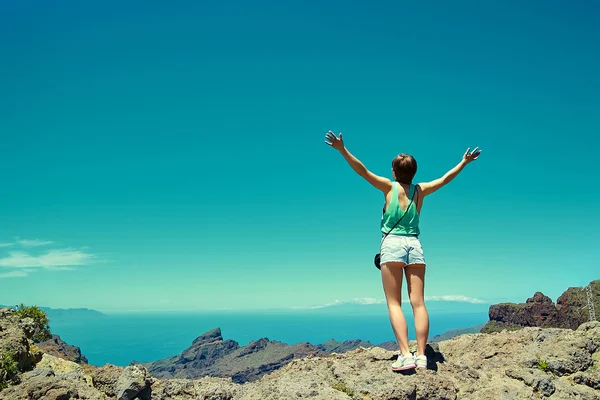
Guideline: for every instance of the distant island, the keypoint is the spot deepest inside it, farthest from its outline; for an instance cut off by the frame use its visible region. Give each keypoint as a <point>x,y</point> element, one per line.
<point>67,313</point>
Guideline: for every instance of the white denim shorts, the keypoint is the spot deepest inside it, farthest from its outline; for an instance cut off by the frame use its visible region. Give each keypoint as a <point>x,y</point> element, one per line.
<point>400,248</point>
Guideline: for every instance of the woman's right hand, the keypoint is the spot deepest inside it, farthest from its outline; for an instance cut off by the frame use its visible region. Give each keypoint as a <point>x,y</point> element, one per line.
<point>472,156</point>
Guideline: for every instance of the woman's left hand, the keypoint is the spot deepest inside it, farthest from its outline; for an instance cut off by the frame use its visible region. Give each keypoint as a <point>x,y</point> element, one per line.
<point>334,141</point>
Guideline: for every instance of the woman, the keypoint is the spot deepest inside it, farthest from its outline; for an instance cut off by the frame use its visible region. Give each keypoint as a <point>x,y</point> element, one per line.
<point>401,251</point>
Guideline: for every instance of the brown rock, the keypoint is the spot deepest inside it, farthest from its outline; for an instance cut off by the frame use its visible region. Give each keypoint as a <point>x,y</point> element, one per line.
<point>536,311</point>
<point>15,344</point>
<point>133,383</point>
<point>44,383</point>
<point>105,379</point>
<point>572,306</point>
<point>570,311</point>
<point>58,348</point>
<point>186,389</point>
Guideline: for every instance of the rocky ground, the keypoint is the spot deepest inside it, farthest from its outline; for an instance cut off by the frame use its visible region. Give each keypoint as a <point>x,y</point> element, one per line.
<point>530,363</point>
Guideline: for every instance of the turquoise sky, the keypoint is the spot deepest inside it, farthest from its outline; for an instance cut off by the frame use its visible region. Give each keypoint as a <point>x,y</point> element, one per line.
<point>170,155</point>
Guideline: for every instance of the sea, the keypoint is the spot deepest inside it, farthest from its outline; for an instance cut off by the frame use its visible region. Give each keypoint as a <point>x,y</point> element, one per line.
<point>120,338</point>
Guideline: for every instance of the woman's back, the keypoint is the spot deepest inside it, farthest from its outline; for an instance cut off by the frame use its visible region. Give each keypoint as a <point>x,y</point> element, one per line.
<point>402,204</point>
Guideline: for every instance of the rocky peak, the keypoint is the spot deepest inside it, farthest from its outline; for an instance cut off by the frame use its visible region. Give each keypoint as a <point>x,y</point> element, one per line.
<point>539,297</point>
<point>201,355</point>
<point>254,347</point>
<point>208,337</point>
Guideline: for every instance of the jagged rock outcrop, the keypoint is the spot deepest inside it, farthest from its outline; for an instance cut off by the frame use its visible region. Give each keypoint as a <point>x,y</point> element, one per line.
<point>43,383</point>
<point>55,378</point>
<point>16,352</point>
<point>196,359</point>
<point>538,310</point>
<point>569,312</point>
<point>57,347</point>
<point>571,306</point>
<point>210,355</point>
<point>31,374</point>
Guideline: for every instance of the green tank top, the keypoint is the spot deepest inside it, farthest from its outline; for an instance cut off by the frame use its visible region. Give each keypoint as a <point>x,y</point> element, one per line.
<point>409,225</point>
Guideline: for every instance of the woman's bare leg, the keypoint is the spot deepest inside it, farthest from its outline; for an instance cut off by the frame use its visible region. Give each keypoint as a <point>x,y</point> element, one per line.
<point>415,278</point>
<point>391,276</point>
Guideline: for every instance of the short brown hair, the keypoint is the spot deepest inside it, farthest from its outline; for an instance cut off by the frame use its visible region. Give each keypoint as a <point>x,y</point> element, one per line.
<point>405,168</point>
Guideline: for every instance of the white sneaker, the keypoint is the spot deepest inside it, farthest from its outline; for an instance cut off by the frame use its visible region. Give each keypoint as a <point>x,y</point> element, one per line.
<point>421,361</point>
<point>404,362</point>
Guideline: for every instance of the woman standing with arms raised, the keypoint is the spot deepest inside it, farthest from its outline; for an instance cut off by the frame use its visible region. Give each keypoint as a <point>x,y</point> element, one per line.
<point>401,251</point>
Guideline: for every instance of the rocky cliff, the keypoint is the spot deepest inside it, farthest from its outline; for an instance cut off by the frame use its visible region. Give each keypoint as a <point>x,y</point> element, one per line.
<point>57,347</point>
<point>570,311</point>
<point>16,351</point>
<point>571,306</point>
<point>210,355</point>
<point>531,363</point>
